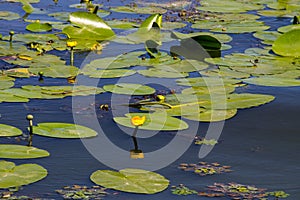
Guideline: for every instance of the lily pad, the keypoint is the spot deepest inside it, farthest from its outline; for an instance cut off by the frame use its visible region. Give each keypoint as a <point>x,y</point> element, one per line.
<point>212,115</point>
<point>162,73</point>
<point>288,44</point>
<point>155,121</point>
<point>21,152</point>
<point>39,27</point>
<point>131,180</point>
<point>273,81</point>
<point>63,130</point>
<point>8,131</point>
<point>129,89</point>
<point>6,15</point>
<point>140,10</point>
<point>15,176</point>
<point>109,73</point>
<point>288,28</point>
<point>56,71</point>
<point>88,26</point>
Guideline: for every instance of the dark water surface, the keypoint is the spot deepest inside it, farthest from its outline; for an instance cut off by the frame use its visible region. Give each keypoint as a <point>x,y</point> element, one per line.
<point>261,144</point>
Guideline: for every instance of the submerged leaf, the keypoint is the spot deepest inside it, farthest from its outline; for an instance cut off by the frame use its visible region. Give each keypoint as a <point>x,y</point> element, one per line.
<point>131,180</point>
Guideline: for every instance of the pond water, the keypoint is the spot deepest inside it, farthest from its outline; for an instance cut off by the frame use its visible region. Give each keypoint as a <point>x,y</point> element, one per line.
<point>261,144</point>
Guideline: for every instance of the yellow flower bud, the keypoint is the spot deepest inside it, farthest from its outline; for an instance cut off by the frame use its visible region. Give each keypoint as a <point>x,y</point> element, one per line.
<point>71,43</point>
<point>138,121</point>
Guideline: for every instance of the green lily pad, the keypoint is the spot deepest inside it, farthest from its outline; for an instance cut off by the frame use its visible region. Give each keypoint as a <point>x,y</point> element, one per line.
<point>155,121</point>
<point>21,152</point>
<point>268,37</point>
<point>6,97</point>
<point>88,26</point>
<point>39,27</point>
<point>63,130</point>
<point>273,81</point>
<point>162,73</point>
<point>131,180</point>
<point>212,115</point>
<point>6,15</point>
<point>140,10</point>
<point>62,16</point>
<point>288,28</point>
<point>15,176</point>
<point>288,44</point>
<point>27,7</point>
<point>129,89</point>
<point>225,72</point>
<point>109,73</point>
<point>8,131</point>
<point>206,81</point>
<point>121,24</point>
<point>6,84</point>
<point>56,71</point>
<point>173,25</point>
<point>226,89</point>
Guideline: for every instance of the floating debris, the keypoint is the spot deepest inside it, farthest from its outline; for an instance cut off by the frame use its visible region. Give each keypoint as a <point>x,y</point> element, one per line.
<point>182,190</point>
<point>204,168</point>
<point>82,192</point>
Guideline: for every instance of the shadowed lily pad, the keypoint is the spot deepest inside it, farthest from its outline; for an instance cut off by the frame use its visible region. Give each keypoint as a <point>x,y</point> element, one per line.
<point>155,121</point>
<point>8,131</point>
<point>15,176</point>
<point>63,130</point>
<point>131,180</point>
<point>21,152</point>
<point>129,89</point>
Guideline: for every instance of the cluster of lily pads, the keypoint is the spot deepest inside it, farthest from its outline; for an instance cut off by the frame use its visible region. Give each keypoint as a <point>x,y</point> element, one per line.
<point>208,98</point>
<point>204,168</point>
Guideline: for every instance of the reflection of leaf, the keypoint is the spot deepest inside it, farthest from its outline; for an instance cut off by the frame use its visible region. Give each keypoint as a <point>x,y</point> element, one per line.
<point>14,176</point>
<point>131,180</point>
<point>88,26</point>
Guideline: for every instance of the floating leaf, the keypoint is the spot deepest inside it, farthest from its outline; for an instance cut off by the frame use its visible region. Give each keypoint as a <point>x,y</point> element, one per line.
<point>39,27</point>
<point>56,71</point>
<point>15,176</point>
<point>121,24</point>
<point>63,130</point>
<point>173,25</point>
<point>162,73</point>
<point>88,26</point>
<point>140,10</point>
<point>182,190</point>
<point>206,81</point>
<point>6,15</point>
<point>109,73</point>
<point>268,37</point>
<point>8,131</point>
<point>288,44</point>
<point>27,7</point>
<point>155,121</point>
<point>273,81</point>
<point>129,89</point>
<point>212,115</point>
<point>21,152</point>
<point>204,168</point>
<point>288,28</point>
<point>131,180</point>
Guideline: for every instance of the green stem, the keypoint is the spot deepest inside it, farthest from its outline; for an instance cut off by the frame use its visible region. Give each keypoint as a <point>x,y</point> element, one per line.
<point>30,133</point>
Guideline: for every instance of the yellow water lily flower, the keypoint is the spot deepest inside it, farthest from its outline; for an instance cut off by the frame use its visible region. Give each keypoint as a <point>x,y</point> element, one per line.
<point>71,43</point>
<point>137,120</point>
<point>160,98</point>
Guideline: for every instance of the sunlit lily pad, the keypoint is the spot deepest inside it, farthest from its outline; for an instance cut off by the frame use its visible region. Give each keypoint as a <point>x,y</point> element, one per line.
<point>156,121</point>
<point>131,180</point>
<point>8,131</point>
<point>21,152</point>
<point>268,37</point>
<point>288,44</point>
<point>162,73</point>
<point>88,26</point>
<point>212,115</point>
<point>109,73</point>
<point>173,25</point>
<point>6,97</point>
<point>15,176</point>
<point>39,27</point>
<point>129,89</point>
<point>121,24</point>
<point>273,81</point>
<point>288,28</point>
<point>206,81</point>
<point>6,15</point>
<point>63,130</point>
<point>56,71</point>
